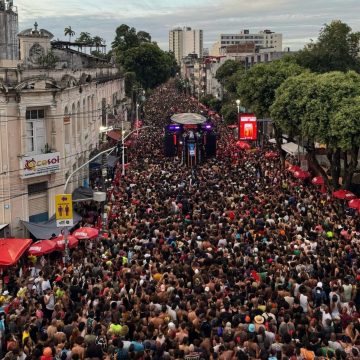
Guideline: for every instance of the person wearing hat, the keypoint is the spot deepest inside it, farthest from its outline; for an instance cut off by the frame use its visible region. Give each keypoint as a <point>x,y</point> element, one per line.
<point>259,322</point>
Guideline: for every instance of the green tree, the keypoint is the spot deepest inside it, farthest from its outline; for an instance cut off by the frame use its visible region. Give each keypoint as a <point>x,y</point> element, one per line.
<point>149,63</point>
<point>68,31</point>
<point>97,41</point>
<point>345,127</point>
<point>315,107</point>
<point>297,111</point>
<point>127,38</point>
<point>228,69</point>
<point>256,89</point>
<point>337,48</point>
<point>169,59</point>
<point>229,112</point>
<point>130,83</point>
<point>84,38</point>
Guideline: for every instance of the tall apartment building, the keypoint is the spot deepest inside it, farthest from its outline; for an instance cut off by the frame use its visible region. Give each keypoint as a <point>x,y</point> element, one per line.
<point>185,41</point>
<point>264,39</point>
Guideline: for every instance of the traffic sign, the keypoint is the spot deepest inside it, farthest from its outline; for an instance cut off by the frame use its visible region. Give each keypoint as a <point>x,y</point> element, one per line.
<point>63,210</point>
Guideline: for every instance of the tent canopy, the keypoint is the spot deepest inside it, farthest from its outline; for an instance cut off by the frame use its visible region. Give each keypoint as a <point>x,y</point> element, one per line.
<point>293,149</point>
<point>46,229</point>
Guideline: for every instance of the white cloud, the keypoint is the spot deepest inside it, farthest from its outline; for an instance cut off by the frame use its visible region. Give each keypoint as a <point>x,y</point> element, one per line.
<point>297,20</point>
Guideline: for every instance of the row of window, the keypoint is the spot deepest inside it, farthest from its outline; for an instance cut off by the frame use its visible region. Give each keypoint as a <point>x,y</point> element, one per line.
<point>243,37</point>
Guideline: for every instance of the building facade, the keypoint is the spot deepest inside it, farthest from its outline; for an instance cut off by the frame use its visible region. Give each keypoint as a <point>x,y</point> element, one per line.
<point>52,104</point>
<point>8,31</point>
<point>264,39</point>
<point>186,41</point>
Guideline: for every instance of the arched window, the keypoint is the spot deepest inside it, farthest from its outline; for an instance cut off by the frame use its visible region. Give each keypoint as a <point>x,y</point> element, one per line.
<point>73,122</point>
<point>67,126</point>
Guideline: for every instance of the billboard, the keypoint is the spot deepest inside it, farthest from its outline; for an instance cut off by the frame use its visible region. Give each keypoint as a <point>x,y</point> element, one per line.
<point>38,165</point>
<point>247,127</point>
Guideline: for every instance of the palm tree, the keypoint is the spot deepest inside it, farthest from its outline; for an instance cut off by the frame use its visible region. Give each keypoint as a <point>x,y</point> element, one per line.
<point>97,41</point>
<point>84,38</point>
<point>69,31</point>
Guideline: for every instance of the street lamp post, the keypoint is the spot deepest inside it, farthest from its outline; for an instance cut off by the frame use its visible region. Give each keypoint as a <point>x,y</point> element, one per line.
<point>108,151</point>
<point>137,118</point>
<point>238,102</point>
<point>99,154</point>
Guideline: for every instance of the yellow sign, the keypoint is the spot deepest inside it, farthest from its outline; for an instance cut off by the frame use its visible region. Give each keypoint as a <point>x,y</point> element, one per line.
<point>64,210</point>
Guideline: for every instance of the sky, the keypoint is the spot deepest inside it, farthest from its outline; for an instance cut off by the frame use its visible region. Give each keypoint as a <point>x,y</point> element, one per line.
<point>298,20</point>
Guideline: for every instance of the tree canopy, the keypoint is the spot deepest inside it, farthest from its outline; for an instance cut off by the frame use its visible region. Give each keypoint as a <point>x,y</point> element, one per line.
<point>323,108</point>
<point>336,49</point>
<point>150,64</point>
<point>256,87</point>
<point>137,55</point>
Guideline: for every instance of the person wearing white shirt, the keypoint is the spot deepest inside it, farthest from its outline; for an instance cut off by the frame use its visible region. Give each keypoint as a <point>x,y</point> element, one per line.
<point>325,315</point>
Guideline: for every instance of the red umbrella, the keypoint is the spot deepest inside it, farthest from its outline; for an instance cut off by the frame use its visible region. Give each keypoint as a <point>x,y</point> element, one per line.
<point>271,154</point>
<point>243,145</point>
<point>354,204</point>
<point>60,242</point>
<point>233,126</point>
<point>86,233</point>
<point>12,249</point>
<point>293,168</point>
<point>42,247</point>
<point>343,194</point>
<point>318,180</point>
<point>301,174</point>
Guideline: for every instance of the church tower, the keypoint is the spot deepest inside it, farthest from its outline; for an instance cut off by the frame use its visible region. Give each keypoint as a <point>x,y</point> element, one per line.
<point>9,48</point>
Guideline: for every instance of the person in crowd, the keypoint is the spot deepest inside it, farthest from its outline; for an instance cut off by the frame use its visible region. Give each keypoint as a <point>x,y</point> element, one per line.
<point>232,260</point>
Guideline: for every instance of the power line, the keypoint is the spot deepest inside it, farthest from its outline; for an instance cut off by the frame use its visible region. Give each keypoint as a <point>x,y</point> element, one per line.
<point>19,118</point>
<point>49,188</point>
<point>62,158</point>
<point>20,188</point>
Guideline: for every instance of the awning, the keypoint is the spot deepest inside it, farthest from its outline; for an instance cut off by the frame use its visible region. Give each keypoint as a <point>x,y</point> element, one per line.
<point>82,193</point>
<point>293,149</point>
<point>114,134</point>
<point>273,141</point>
<point>3,226</point>
<point>46,229</point>
<point>111,161</point>
<point>96,164</point>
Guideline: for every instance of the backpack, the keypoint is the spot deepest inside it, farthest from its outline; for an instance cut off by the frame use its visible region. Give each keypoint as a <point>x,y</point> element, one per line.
<point>101,341</point>
<point>62,355</point>
<point>319,297</point>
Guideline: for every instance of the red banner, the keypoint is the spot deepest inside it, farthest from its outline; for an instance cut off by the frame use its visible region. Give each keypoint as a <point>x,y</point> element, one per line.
<point>247,127</point>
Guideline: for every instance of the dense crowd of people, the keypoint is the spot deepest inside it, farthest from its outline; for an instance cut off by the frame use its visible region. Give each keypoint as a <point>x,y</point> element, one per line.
<point>231,260</point>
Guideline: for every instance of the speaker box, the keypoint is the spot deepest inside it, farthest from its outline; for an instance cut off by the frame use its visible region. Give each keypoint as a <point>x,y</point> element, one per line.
<point>210,146</point>
<point>169,147</point>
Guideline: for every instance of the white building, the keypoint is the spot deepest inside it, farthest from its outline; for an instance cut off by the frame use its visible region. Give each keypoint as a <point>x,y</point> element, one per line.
<point>264,39</point>
<point>50,116</point>
<point>213,87</point>
<point>185,41</point>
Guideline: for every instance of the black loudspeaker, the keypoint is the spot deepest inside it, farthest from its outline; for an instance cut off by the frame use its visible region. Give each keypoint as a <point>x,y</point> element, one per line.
<point>210,147</point>
<point>169,147</point>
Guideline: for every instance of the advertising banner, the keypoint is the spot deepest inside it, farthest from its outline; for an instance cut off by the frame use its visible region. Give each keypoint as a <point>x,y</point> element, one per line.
<point>247,127</point>
<point>38,165</point>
